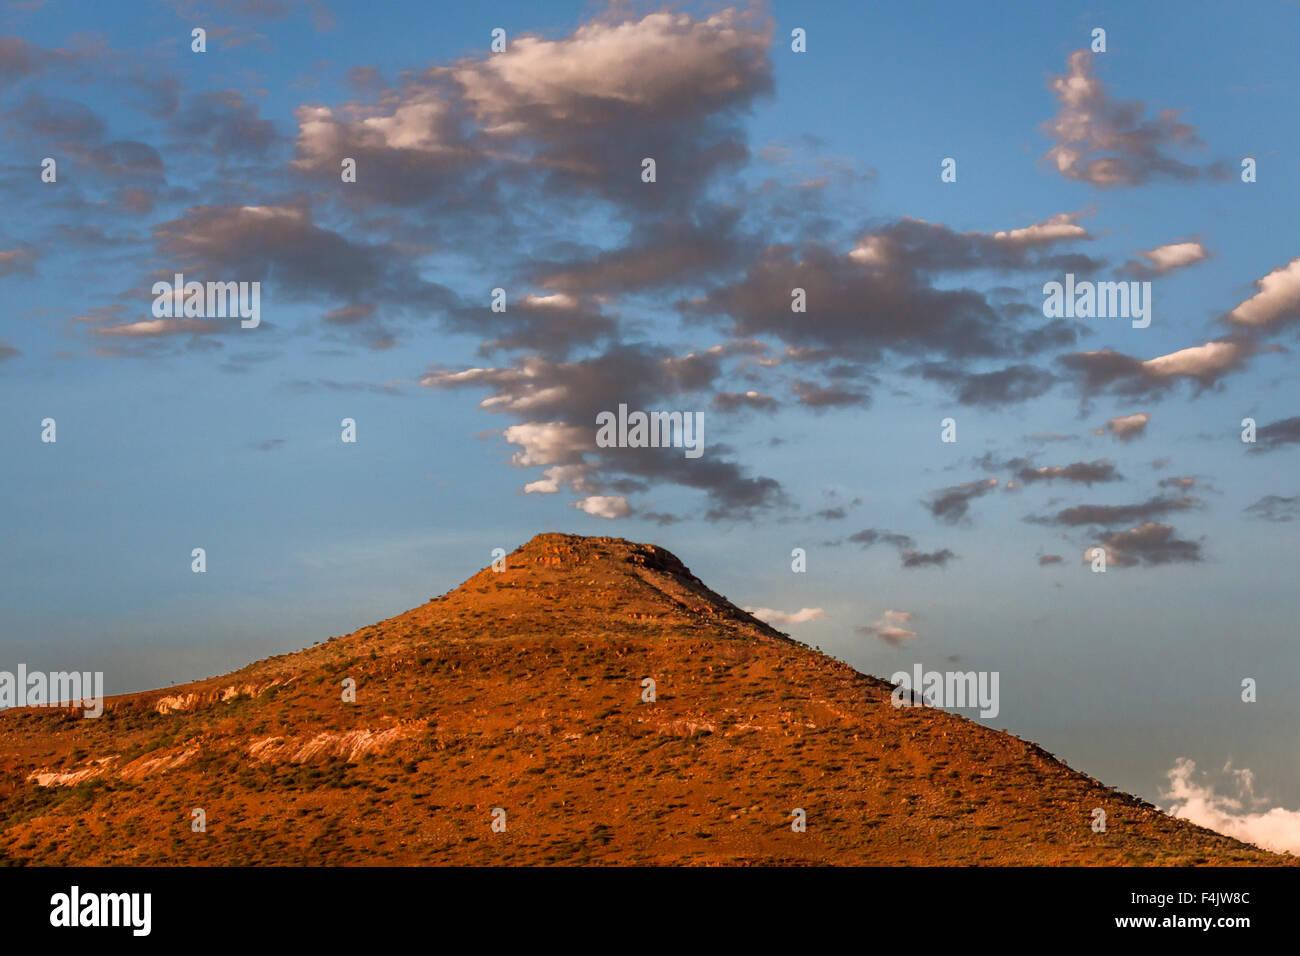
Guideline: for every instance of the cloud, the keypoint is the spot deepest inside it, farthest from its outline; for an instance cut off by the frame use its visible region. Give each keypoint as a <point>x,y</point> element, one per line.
<point>950,505</point>
<point>1128,427</point>
<point>783,618</point>
<point>828,396</point>
<point>60,120</point>
<point>128,159</point>
<point>734,401</point>
<point>164,328</point>
<point>891,627</point>
<point>282,243</point>
<point>869,536</point>
<point>908,556</point>
<point>552,397</point>
<point>226,124</point>
<point>553,324</point>
<point>1277,302</point>
<point>604,506</point>
<point>575,114</point>
<point>1273,436</point>
<point>18,60</point>
<point>923,246</point>
<point>591,105</point>
<point>1275,508</point>
<point>1276,828</point>
<point>924,559</point>
<point>1081,472</point>
<point>1115,514</point>
<point>880,297</point>
<point>1106,142</point>
<point>16,262</point>
<point>678,251</point>
<point>1165,259</point>
<point>282,246</point>
<point>1011,385</point>
<point>1203,364</point>
<point>547,443</point>
<point>1148,544</point>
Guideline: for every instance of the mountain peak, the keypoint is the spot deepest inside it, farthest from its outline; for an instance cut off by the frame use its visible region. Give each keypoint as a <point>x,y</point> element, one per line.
<point>573,579</point>
<point>614,706</point>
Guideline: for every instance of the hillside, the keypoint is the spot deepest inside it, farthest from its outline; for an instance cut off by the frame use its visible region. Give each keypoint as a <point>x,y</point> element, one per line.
<point>521,690</point>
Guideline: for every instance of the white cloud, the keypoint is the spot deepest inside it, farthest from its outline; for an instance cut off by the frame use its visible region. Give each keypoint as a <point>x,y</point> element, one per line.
<point>1276,828</point>
<point>890,627</point>
<point>802,616</point>
<point>1174,255</point>
<point>653,64</point>
<point>152,328</point>
<point>604,506</point>
<point>1196,362</point>
<point>1278,298</point>
<point>1060,226</point>
<point>547,443</point>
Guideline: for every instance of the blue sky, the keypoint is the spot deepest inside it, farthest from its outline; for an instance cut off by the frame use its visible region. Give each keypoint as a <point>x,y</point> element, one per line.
<point>522,172</point>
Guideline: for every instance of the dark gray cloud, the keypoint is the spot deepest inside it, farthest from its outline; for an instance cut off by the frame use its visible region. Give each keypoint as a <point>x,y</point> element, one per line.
<point>1147,544</point>
<point>930,247</point>
<point>1275,508</point>
<point>870,536</point>
<point>226,124</point>
<point>680,252</point>
<point>126,159</point>
<point>950,505</point>
<point>1008,386</point>
<point>1081,472</point>
<point>1120,514</point>
<point>908,555</point>
<point>880,297</point>
<point>1204,365</point>
<point>829,396</point>
<point>735,401</point>
<point>550,325</point>
<point>1277,434</point>
<point>283,245</point>
<point>932,559</point>
<point>40,117</point>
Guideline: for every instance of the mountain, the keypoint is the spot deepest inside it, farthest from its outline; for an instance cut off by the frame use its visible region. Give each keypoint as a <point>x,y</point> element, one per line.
<point>521,691</point>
